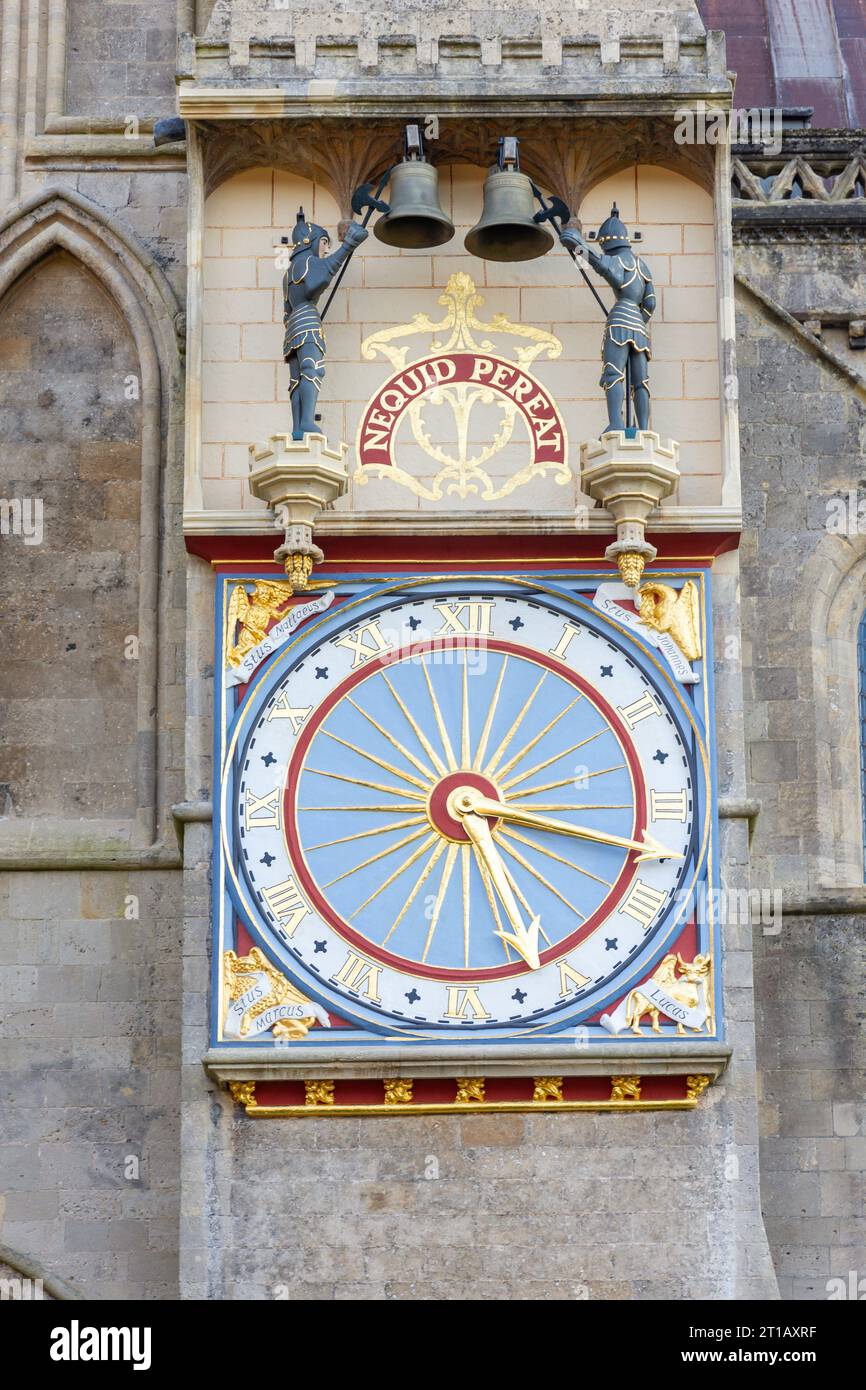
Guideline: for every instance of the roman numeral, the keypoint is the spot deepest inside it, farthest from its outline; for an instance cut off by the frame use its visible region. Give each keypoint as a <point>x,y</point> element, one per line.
<point>568,633</point>
<point>360,975</point>
<point>463,998</point>
<point>643,902</point>
<point>569,979</point>
<point>639,709</point>
<point>476,621</point>
<point>367,641</point>
<point>668,805</point>
<point>281,709</point>
<point>286,904</point>
<point>263,812</point>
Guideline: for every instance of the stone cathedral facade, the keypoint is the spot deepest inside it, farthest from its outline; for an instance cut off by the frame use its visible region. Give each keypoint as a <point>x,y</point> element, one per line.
<point>209,1071</point>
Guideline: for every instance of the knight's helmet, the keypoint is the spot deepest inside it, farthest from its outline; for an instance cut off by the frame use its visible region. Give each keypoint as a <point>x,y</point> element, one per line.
<point>613,233</point>
<point>306,235</point>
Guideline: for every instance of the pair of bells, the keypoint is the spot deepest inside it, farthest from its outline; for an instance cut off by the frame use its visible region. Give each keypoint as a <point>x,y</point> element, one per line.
<point>506,231</point>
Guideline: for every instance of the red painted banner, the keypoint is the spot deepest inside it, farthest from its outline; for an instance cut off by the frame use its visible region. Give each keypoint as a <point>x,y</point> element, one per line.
<point>384,412</point>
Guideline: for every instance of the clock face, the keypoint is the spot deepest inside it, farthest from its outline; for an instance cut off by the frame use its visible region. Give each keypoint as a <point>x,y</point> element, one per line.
<point>465,808</point>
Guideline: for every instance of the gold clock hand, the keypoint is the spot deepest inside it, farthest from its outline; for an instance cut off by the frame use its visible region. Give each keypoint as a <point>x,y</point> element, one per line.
<point>473,803</point>
<point>524,939</point>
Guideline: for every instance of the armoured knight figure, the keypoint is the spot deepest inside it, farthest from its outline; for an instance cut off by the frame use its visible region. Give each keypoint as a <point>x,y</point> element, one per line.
<point>626,335</point>
<point>310,271</point>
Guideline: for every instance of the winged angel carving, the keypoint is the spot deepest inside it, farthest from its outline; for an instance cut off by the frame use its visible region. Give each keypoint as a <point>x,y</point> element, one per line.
<point>254,612</point>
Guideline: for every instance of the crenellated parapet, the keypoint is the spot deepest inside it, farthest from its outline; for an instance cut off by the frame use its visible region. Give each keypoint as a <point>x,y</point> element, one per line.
<point>466,46</point>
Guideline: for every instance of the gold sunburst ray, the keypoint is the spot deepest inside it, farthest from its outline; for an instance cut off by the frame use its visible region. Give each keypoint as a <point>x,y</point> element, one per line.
<point>363,834</point>
<point>382,854</point>
<point>528,747</point>
<point>581,806</point>
<point>550,854</point>
<point>360,782</point>
<point>379,762</point>
<point>504,745</point>
<point>491,898</point>
<point>481,750</point>
<point>416,729</point>
<point>357,806</point>
<point>539,767</point>
<point>421,879</point>
<point>440,897</point>
<point>465,865</point>
<point>564,782</point>
<point>401,868</point>
<point>395,742</point>
<point>440,722</point>
<point>518,893</point>
<point>521,859</point>
<point>464,716</point>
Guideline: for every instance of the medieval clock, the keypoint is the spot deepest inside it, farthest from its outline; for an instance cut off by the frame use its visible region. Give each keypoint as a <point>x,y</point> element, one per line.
<point>464,821</point>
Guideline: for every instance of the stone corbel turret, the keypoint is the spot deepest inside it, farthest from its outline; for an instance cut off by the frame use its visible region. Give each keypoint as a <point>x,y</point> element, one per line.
<point>629,472</point>
<point>298,479</point>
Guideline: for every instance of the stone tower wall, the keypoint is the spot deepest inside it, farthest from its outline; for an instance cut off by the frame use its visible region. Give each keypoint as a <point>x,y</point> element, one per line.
<point>94,1139</point>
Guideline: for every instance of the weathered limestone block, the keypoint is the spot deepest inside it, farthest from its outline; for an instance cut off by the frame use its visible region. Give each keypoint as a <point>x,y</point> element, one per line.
<point>262,19</point>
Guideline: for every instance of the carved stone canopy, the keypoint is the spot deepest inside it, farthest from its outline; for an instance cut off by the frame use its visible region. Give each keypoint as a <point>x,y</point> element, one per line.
<point>566,157</point>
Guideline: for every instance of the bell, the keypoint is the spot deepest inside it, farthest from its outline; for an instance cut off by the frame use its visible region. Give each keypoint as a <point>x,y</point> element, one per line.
<point>507,230</point>
<point>415,220</point>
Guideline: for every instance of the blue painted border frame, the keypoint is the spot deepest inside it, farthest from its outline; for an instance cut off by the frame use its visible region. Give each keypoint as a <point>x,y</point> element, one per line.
<point>569,584</point>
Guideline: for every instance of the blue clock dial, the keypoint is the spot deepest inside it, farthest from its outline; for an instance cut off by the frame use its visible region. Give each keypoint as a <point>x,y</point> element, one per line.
<point>387,853</point>
<point>465,809</point>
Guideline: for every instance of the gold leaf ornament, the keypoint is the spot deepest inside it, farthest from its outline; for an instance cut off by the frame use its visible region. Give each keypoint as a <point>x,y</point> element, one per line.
<point>461,468</point>
<point>625,1088</point>
<point>470,1090</point>
<point>674,611</point>
<point>398,1091</point>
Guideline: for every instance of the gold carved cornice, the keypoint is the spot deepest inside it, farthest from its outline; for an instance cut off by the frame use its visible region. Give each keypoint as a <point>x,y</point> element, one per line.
<point>399,1097</point>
